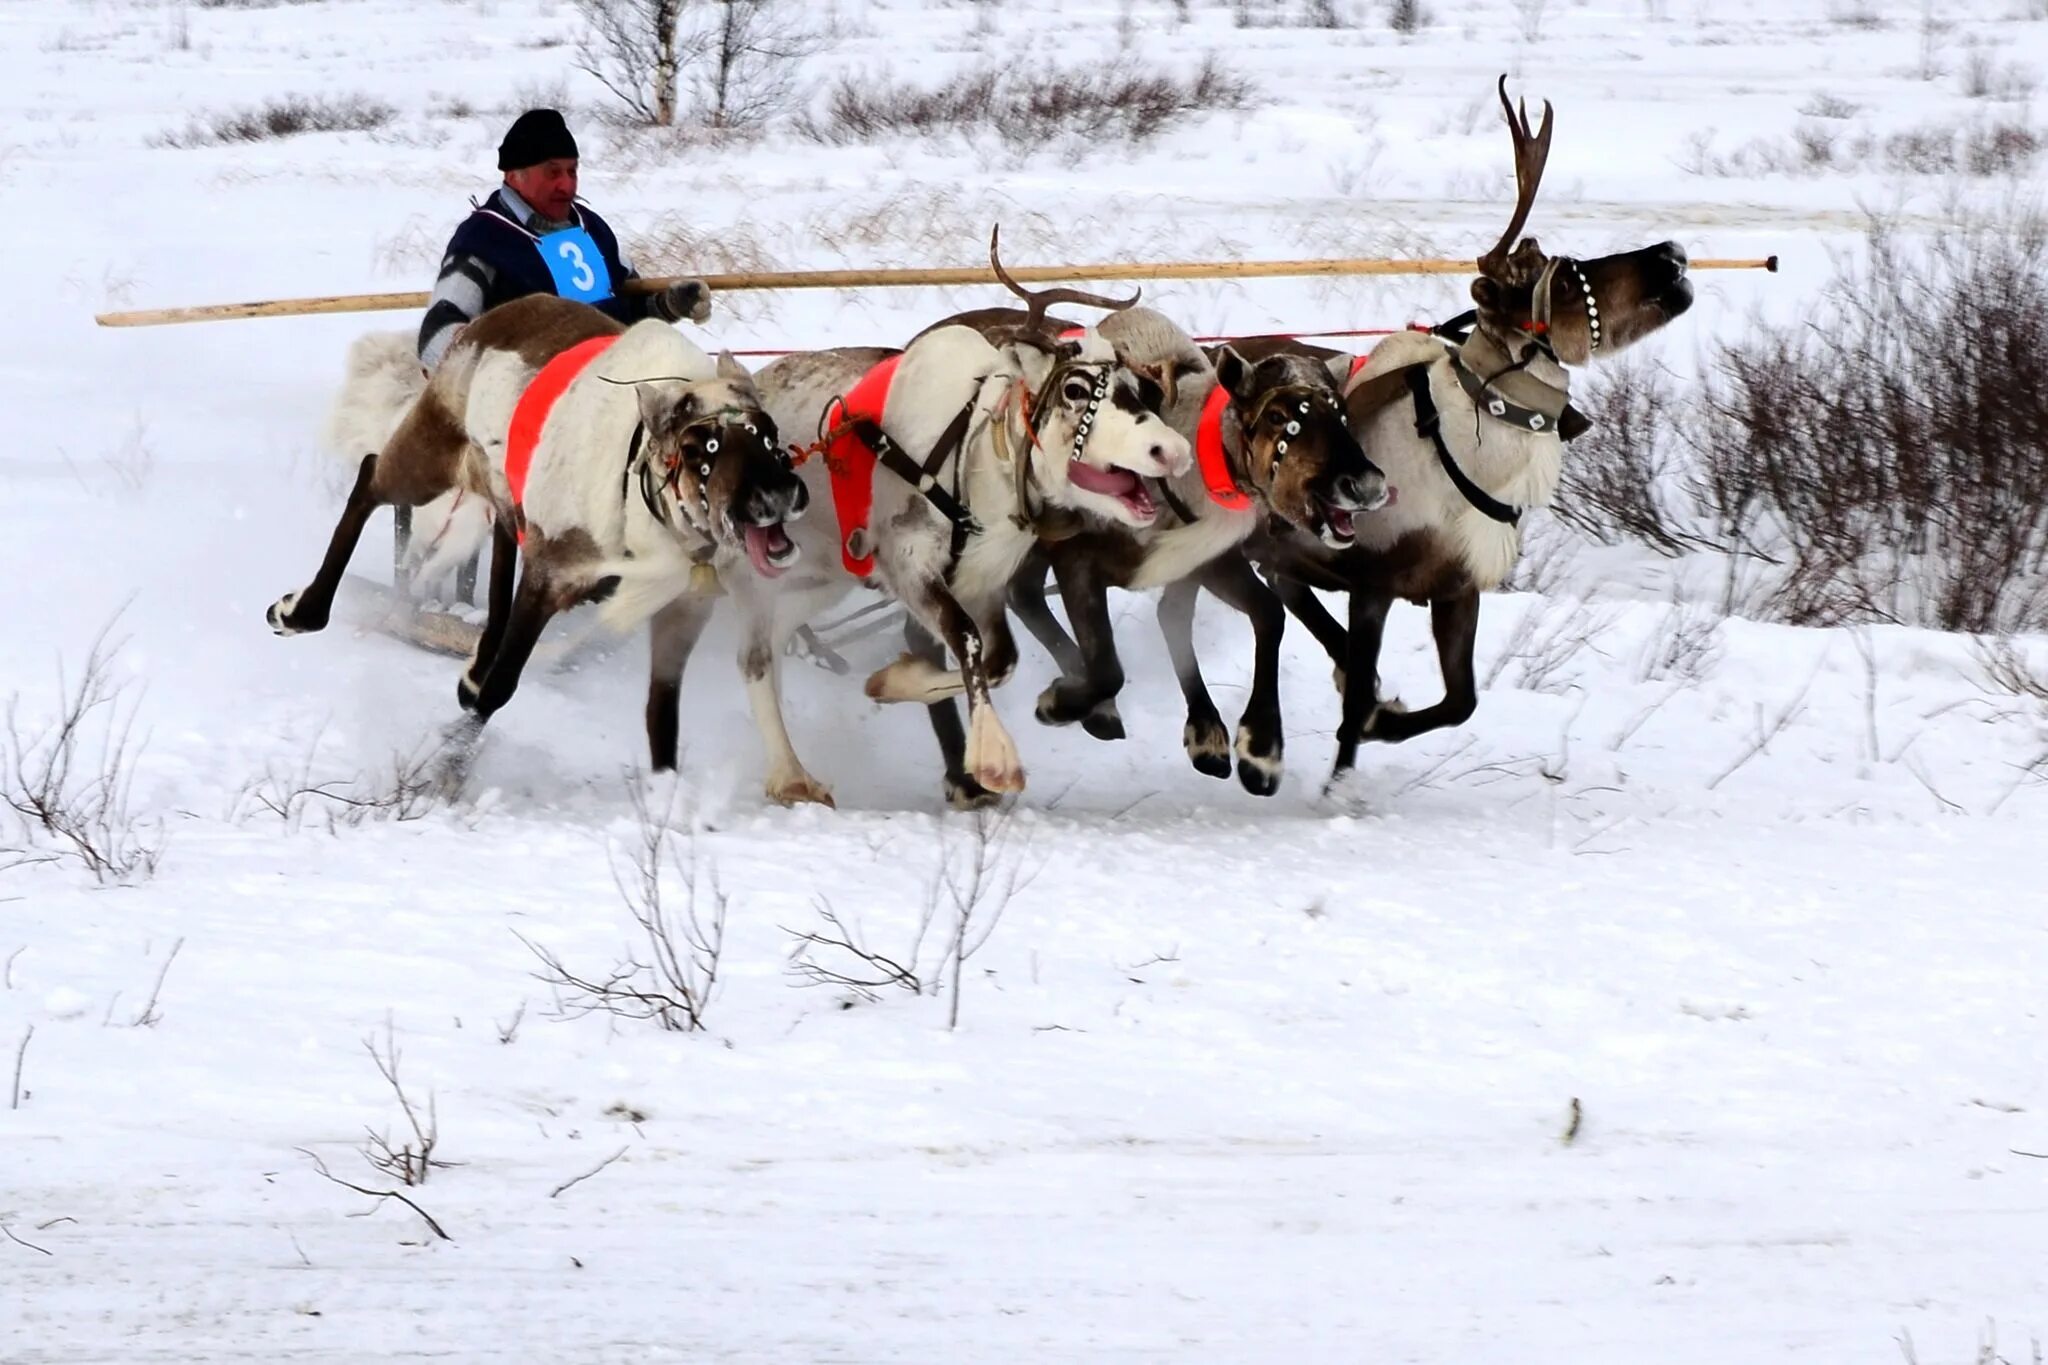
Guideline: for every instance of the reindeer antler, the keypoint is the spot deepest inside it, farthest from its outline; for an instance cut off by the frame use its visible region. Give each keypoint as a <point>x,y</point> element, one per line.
<point>1532,150</point>
<point>1039,300</point>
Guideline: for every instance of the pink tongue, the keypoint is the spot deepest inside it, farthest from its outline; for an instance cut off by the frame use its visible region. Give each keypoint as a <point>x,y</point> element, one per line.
<point>760,541</point>
<point>1116,483</point>
<point>1340,521</point>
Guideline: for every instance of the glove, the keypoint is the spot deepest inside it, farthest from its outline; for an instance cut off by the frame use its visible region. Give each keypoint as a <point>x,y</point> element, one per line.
<point>684,299</point>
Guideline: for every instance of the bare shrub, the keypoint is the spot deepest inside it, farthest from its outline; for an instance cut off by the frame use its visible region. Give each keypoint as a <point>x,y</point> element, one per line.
<point>1981,148</point>
<point>837,955</point>
<point>1862,14</point>
<point>1890,453</point>
<point>1685,647</point>
<point>1104,101</point>
<point>1617,482</point>
<point>281,118</point>
<point>673,988</point>
<point>1986,78</point>
<point>1531,13</point>
<point>1406,16</point>
<point>723,64</point>
<point>1824,105</point>
<point>408,788</point>
<point>410,1160</point>
<point>979,874</point>
<point>70,780</point>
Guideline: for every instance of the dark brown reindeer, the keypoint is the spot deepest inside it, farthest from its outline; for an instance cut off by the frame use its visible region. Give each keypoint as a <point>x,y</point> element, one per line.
<point>1469,429</point>
<point>1272,439</point>
<point>654,462</point>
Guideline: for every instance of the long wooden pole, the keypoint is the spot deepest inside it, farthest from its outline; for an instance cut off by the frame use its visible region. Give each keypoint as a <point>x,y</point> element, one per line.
<point>869,279</point>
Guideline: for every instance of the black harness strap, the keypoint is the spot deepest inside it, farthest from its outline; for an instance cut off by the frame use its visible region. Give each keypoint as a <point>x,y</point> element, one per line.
<point>1173,501</point>
<point>925,477</point>
<point>1429,422</point>
<point>650,487</point>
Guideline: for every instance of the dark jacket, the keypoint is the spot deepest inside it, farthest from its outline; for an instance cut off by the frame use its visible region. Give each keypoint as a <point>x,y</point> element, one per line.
<point>493,259</point>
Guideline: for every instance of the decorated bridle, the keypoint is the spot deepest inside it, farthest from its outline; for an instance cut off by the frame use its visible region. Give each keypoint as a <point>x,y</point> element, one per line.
<point>1306,399</point>
<point>1539,313</point>
<point>670,475</point>
<point>1033,412</point>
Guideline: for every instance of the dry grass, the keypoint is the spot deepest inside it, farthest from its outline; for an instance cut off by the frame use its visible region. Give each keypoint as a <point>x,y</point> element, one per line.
<point>1890,453</point>
<point>1099,102</point>
<point>291,116</point>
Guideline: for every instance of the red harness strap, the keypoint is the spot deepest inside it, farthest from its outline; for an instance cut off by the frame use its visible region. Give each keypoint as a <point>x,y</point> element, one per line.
<point>530,413</point>
<point>1223,489</point>
<point>1357,364</point>
<point>851,461</point>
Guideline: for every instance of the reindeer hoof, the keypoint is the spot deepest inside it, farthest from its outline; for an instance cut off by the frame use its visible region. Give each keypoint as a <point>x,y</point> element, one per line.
<point>283,612</point>
<point>992,754</point>
<point>801,790</point>
<point>467,693</point>
<point>1104,722</point>
<point>1258,772</point>
<point>1344,793</point>
<point>1066,702</point>
<point>964,793</point>
<point>1208,747</point>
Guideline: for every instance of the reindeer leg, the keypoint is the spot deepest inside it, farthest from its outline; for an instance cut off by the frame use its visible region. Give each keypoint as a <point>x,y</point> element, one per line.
<point>1207,742</point>
<point>671,635</point>
<point>1307,608</point>
<point>297,613</point>
<point>761,639</point>
<point>421,461</point>
<point>534,604</point>
<point>504,571</point>
<point>962,791</point>
<point>1087,694</point>
<point>1454,621</point>
<point>1361,681</point>
<point>1027,600</point>
<point>984,660</point>
<point>1259,737</point>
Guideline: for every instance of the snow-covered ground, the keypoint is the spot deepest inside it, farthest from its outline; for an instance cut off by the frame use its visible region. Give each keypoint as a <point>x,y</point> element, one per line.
<point>1233,1079</point>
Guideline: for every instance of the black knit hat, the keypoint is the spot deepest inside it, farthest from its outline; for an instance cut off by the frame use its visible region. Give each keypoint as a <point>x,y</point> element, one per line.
<point>535,136</point>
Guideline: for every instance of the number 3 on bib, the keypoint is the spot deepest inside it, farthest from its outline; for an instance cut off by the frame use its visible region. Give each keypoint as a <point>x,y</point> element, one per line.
<point>577,265</point>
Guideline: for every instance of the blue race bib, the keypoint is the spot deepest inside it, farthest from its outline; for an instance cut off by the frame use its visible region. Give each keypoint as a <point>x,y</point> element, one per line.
<point>577,265</point>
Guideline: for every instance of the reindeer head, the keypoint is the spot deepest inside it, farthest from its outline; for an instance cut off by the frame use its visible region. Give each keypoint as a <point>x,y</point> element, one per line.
<point>1093,424</point>
<point>1094,431</point>
<point>1299,454</point>
<point>711,461</point>
<point>1580,311</point>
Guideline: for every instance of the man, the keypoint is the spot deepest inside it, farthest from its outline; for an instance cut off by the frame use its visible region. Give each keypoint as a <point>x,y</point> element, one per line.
<point>532,237</point>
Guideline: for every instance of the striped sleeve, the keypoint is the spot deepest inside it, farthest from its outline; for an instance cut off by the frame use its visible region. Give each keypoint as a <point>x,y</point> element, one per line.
<point>457,300</point>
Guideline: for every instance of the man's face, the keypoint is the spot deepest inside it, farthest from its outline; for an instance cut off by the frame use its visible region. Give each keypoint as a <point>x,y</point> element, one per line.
<point>549,187</point>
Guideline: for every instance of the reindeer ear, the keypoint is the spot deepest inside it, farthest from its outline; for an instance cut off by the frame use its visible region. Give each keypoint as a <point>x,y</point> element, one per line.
<point>1488,295</point>
<point>1233,373</point>
<point>657,409</point>
<point>1169,382</point>
<point>729,368</point>
<point>1028,361</point>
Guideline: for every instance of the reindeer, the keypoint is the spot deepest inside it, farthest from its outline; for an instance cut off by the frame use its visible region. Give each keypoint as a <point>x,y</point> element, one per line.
<point>652,461</point>
<point>1006,439</point>
<point>1274,443</point>
<point>1478,443</point>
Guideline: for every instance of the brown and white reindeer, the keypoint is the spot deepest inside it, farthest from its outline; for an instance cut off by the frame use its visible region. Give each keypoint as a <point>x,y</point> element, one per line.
<point>616,461</point>
<point>1470,431</point>
<point>1271,440</point>
<point>949,455</point>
